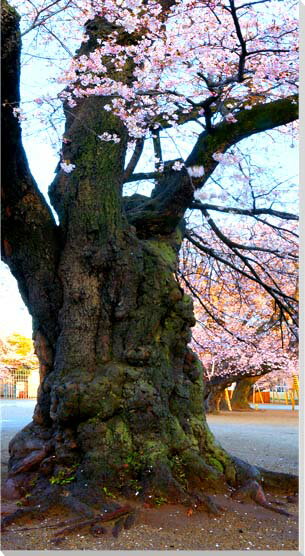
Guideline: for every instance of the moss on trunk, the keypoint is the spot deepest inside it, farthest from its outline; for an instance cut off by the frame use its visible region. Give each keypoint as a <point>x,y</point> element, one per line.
<point>123,404</point>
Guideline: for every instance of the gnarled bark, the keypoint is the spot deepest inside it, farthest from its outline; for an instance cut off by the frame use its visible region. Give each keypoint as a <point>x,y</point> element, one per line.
<point>126,395</point>
<point>30,241</point>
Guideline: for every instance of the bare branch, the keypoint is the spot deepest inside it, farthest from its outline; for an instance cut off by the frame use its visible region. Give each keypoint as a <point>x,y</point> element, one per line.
<point>207,310</point>
<point>246,212</point>
<point>278,295</point>
<point>243,55</point>
<point>136,155</point>
<point>141,176</point>
<point>261,117</point>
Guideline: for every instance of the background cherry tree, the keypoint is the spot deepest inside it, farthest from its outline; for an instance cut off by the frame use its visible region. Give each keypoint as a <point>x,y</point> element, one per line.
<point>241,330</point>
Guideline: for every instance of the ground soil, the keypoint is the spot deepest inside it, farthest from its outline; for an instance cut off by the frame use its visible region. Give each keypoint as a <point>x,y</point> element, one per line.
<point>242,526</point>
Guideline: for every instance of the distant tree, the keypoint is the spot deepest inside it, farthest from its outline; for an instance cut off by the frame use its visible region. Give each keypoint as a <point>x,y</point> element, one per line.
<point>241,334</point>
<point>17,355</point>
<point>242,390</point>
<point>20,344</point>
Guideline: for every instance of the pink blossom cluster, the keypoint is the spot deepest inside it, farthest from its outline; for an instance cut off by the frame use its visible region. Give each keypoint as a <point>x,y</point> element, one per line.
<point>182,56</point>
<point>239,330</point>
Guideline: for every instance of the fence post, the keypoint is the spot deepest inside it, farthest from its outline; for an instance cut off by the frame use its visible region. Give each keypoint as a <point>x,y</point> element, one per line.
<point>227,398</point>
<point>260,394</point>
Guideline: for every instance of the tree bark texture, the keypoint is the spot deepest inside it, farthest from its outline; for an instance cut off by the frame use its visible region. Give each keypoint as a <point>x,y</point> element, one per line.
<point>124,398</point>
<point>120,403</point>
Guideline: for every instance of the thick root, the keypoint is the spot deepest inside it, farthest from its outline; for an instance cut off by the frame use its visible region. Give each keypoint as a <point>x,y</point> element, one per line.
<point>207,502</point>
<point>253,490</point>
<point>249,480</point>
<point>284,482</point>
<point>78,507</point>
<point>123,517</point>
<point>22,512</point>
<point>69,497</point>
<point>280,481</point>
<point>187,482</point>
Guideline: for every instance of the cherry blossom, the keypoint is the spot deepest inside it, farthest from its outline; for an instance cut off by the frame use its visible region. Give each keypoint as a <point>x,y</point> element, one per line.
<point>68,168</point>
<point>109,137</point>
<point>207,59</point>
<point>239,330</point>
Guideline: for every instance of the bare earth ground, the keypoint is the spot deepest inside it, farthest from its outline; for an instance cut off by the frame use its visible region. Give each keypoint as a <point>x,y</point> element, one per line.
<point>267,438</point>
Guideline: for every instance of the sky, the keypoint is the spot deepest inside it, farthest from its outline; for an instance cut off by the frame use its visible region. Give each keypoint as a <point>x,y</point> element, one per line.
<point>281,158</point>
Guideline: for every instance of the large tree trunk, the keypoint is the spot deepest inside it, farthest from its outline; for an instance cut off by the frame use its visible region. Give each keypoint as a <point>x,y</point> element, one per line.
<point>120,404</point>
<point>214,398</point>
<point>123,400</point>
<point>215,387</point>
<point>121,395</point>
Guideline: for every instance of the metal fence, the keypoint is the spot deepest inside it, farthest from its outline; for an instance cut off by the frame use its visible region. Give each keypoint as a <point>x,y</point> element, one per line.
<point>20,384</point>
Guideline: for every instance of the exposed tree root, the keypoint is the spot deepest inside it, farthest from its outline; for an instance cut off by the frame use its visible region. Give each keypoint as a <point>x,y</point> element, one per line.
<point>123,517</point>
<point>249,480</point>
<point>78,507</point>
<point>208,503</point>
<point>282,482</point>
<point>22,512</point>
<point>253,490</point>
<point>93,510</point>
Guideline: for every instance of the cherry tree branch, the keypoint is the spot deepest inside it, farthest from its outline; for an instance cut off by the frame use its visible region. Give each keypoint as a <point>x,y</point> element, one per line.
<point>281,299</point>
<point>246,212</point>
<point>249,4</point>
<point>262,117</point>
<point>136,155</point>
<point>196,295</point>
<point>234,245</point>
<point>248,262</point>
<point>243,55</point>
<point>177,192</point>
<point>40,20</point>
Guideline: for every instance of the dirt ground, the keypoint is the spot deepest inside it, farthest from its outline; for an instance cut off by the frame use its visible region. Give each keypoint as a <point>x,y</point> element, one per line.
<point>268,438</point>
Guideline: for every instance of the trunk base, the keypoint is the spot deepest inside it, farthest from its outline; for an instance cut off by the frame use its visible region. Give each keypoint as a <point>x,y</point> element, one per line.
<point>48,463</point>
